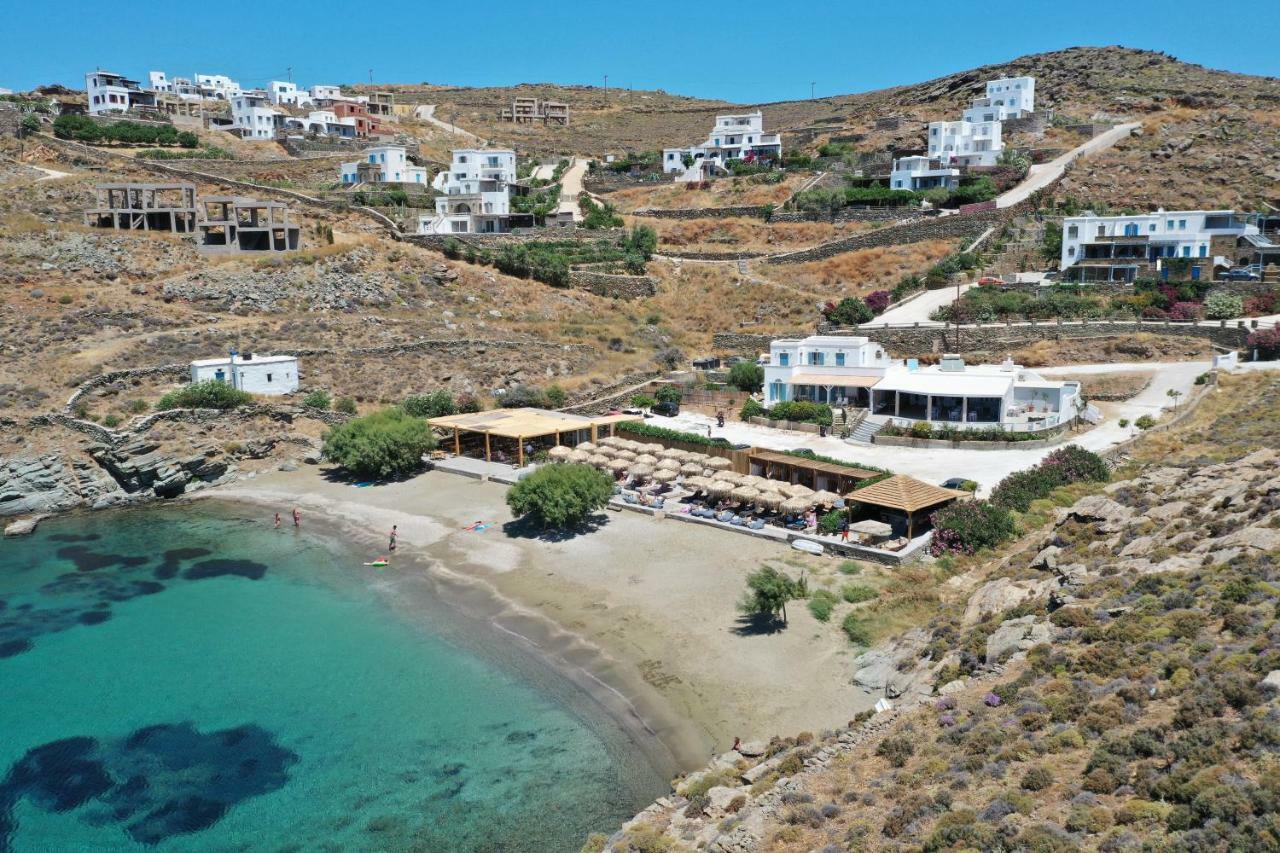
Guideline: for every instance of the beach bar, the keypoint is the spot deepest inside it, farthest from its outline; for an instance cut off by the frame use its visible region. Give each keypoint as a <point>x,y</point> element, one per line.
<point>511,434</point>
<point>814,473</point>
<point>901,497</point>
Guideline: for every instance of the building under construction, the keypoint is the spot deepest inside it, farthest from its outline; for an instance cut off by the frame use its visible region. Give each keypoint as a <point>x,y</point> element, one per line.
<point>531,111</point>
<point>144,207</point>
<point>234,224</point>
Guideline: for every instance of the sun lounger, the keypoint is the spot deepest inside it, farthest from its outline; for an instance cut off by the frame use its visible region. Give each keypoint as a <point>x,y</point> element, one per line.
<point>725,515</point>
<point>756,524</point>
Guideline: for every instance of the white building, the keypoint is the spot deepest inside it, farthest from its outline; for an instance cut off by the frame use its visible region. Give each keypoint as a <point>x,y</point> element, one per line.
<point>108,92</point>
<point>854,371</point>
<point>217,87</point>
<point>179,87</point>
<point>287,94</point>
<point>475,193</point>
<point>921,173</point>
<point>324,122</point>
<point>1122,248</point>
<point>253,117</point>
<point>384,164</point>
<point>327,93</point>
<point>1008,97</point>
<point>965,143</point>
<point>734,137</point>
<point>256,374</point>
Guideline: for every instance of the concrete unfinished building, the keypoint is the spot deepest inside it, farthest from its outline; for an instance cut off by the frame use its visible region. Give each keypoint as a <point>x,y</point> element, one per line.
<point>144,207</point>
<point>530,110</point>
<point>234,224</point>
<point>381,104</point>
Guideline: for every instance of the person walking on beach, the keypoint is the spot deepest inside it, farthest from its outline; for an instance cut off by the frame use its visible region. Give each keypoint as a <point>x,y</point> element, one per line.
<point>297,517</point>
<point>844,530</point>
<point>392,546</point>
<point>277,521</point>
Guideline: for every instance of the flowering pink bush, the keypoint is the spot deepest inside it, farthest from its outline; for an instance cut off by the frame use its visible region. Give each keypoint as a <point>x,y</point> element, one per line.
<point>1267,342</point>
<point>1184,311</point>
<point>878,301</point>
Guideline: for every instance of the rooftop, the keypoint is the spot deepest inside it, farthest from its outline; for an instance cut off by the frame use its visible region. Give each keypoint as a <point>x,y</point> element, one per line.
<point>905,493</point>
<point>239,359</point>
<point>524,423</point>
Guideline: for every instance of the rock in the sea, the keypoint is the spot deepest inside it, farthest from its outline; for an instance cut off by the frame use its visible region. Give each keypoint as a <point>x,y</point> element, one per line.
<point>23,526</point>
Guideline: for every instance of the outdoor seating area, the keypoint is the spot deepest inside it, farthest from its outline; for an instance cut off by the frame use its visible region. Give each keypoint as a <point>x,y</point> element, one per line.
<point>517,436</point>
<point>702,486</point>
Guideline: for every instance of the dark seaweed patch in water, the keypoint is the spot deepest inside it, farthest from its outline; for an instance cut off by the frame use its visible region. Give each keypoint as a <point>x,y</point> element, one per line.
<point>11,648</point>
<point>521,737</point>
<point>159,782</point>
<point>88,560</point>
<point>75,537</point>
<point>217,568</point>
<point>93,617</point>
<point>174,559</point>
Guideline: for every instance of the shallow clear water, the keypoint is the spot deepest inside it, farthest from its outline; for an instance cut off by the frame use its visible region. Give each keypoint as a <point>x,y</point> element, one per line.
<point>190,679</point>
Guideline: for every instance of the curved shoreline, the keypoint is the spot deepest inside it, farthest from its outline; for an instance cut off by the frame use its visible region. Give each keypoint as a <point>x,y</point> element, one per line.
<point>669,742</point>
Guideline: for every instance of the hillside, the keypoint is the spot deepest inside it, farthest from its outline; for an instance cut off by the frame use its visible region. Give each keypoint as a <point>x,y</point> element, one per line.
<point>1109,683</point>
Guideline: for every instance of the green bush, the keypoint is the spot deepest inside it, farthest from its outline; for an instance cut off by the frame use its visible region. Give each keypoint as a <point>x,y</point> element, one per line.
<point>669,393</point>
<point>850,311</point>
<point>821,603</point>
<point>747,376</point>
<point>210,394</point>
<point>966,527</point>
<point>1145,422</point>
<point>801,411</point>
<point>752,409</point>
<point>345,405</point>
<point>317,399</point>
<point>388,443</point>
<point>896,749</point>
<point>1223,306</point>
<point>1066,465</point>
<point>111,421</point>
<point>643,401</point>
<point>1036,779</point>
<point>768,591</point>
<point>830,522</point>
<point>856,594</point>
<point>560,496</point>
<point>855,630</point>
<point>556,396</point>
<point>522,396</point>
<point>436,404</point>
<point>82,128</point>
<point>643,430</point>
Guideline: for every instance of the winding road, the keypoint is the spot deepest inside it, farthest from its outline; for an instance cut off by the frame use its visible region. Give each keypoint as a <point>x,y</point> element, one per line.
<point>427,113</point>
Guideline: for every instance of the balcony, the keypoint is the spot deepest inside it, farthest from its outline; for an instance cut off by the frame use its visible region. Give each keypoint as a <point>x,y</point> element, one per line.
<point>1121,238</point>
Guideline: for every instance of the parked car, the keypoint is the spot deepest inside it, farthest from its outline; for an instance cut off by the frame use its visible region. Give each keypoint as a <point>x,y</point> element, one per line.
<point>960,484</point>
<point>1052,275</point>
<point>991,279</point>
<point>1240,274</point>
<point>667,409</point>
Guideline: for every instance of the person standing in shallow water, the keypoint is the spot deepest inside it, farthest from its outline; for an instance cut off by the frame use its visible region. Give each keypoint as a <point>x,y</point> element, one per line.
<point>277,521</point>
<point>392,545</point>
<point>297,517</point>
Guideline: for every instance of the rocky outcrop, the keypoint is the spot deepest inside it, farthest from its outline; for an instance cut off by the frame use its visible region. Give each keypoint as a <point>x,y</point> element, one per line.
<point>1001,594</point>
<point>39,485</point>
<point>140,467</point>
<point>1016,635</point>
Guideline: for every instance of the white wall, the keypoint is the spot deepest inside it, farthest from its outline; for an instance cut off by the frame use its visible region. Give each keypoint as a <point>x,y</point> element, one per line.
<point>256,377</point>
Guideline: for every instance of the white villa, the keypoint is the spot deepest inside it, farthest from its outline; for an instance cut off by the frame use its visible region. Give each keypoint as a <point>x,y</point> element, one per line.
<point>383,164</point>
<point>856,372</point>
<point>965,143</point>
<point>109,92</point>
<point>257,374</point>
<point>475,193</point>
<point>217,87</point>
<point>735,137</point>
<point>1008,97</point>
<point>180,87</point>
<point>324,122</point>
<point>287,93</point>
<point>253,116</point>
<point>1122,248</point>
<point>921,173</point>
<point>327,93</point>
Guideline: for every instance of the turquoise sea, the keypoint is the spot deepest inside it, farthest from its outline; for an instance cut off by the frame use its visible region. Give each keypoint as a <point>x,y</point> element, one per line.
<point>188,678</point>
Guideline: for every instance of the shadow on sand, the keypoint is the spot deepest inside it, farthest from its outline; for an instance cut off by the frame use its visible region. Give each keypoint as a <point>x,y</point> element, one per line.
<point>527,528</point>
<point>758,624</point>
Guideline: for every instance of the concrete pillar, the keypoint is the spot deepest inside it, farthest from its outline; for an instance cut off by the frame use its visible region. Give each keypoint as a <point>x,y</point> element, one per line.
<point>488,453</point>
<point>897,403</point>
<point>928,408</point>
<point>964,410</point>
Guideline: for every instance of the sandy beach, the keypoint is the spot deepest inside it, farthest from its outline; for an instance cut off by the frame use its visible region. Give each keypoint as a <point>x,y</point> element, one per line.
<point>638,611</point>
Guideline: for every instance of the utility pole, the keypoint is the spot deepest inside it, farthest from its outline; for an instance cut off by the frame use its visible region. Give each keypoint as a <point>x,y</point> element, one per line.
<point>811,85</point>
<point>289,70</point>
<point>370,76</point>
<point>606,85</point>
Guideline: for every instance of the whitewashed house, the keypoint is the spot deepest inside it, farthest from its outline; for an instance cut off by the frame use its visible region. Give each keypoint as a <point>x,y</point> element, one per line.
<point>734,137</point>
<point>285,93</point>
<point>1008,97</point>
<point>108,92</point>
<point>179,87</point>
<point>965,143</point>
<point>475,193</point>
<point>326,93</point>
<point>1123,248</point>
<point>217,87</point>
<point>323,122</point>
<point>253,116</point>
<point>383,164</point>
<point>256,374</point>
<point>921,173</point>
<point>853,371</point>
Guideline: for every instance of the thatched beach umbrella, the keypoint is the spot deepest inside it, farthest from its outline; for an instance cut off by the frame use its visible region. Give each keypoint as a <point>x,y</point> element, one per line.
<point>670,453</point>
<point>647,459</point>
<point>796,490</point>
<point>669,465</point>
<point>755,480</point>
<point>691,469</point>
<point>558,453</point>
<point>719,463</point>
<point>796,505</point>
<point>871,528</point>
<point>577,455</point>
<point>782,487</point>
<point>588,446</point>
<point>629,455</point>
<point>727,476</point>
<point>654,448</point>
<point>664,475</point>
<point>824,498</point>
<point>611,441</point>
<point>770,500</point>
<point>698,484</point>
<point>599,460</point>
<point>617,466</point>
<point>640,471</point>
<point>718,488</point>
<point>746,494</point>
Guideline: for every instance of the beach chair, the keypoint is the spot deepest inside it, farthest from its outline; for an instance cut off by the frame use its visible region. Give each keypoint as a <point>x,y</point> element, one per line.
<point>756,524</point>
<point>724,515</point>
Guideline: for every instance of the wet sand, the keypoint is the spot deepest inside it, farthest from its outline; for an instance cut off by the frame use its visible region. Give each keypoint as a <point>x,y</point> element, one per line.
<point>639,612</point>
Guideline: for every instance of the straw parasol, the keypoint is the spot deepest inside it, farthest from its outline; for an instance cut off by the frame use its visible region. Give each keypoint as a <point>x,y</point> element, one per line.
<point>611,441</point>
<point>606,450</point>
<point>558,453</point>
<point>796,505</point>
<point>695,456</point>
<point>629,455</point>
<point>654,448</point>
<point>669,465</point>
<point>691,469</point>
<point>647,459</point>
<point>664,475</point>
<point>782,487</point>
<point>670,453</point>
<point>755,480</point>
<point>640,471</point>
<point>719,463</point>
<point>576,455</point>
<point>588,446</point>
<point>871,528</point>
<point>746,494</point>
<point>727,476</point>
<point>718,488</point>
<point>599,460</point>
<point>770,500</point>
<point>796,490</point>
<point>619,465</point>
<point>698,484</point>
<point>824,498</point>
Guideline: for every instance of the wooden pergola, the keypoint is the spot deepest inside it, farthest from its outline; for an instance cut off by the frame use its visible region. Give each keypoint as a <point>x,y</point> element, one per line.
<point>784,466</point>
<point>906,495</point>
<point>522,425</point>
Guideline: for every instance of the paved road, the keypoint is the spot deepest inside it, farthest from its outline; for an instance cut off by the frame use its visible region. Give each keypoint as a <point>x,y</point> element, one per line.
<point>987,467</point>
<point>427,112</point>
<point>50,174</point>
<point>919,309</point>
<point>1039,177</point>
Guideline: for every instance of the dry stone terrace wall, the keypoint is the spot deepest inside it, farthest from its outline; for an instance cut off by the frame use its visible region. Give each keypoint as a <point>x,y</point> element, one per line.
<point>941,228</point>
<point>614,286</point>
<point>702,212</point>
<point>850,214</point>
<point>497,241</point>
<point>984,338</point>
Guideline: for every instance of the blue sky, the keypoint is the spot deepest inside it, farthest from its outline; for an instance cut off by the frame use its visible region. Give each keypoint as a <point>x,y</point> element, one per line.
<point>746,51</point>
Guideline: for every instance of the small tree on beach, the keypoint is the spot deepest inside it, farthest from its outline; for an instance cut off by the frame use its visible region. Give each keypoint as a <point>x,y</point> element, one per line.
<point>747,376</point>
<point>560,496</point>
<point>768,591</point>
<point>387,443</point>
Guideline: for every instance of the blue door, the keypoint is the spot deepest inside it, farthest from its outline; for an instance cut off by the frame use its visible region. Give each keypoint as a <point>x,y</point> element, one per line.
<point>1195,273</point>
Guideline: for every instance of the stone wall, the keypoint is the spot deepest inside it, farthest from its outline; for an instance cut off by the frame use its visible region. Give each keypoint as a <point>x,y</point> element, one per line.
<point>942,228</point>
<point>703,212</point>
<point>494,241</point>
<point>851,214</point>
<point>605,181</point>
<point>1243,289</point>
<point>614,286</point>
<point>1034,123</point>
<point>119,375</point>
<point>711,256</point>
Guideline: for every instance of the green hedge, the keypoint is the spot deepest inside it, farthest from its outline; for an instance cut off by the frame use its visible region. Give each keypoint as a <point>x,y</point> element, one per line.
<point>1066,465</point>
<point>81,128</point>
<point>646,431</point>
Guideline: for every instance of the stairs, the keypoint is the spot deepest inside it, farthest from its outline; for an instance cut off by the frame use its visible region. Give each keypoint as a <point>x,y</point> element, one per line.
<point>839,419</point>
<point>869,426</point>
